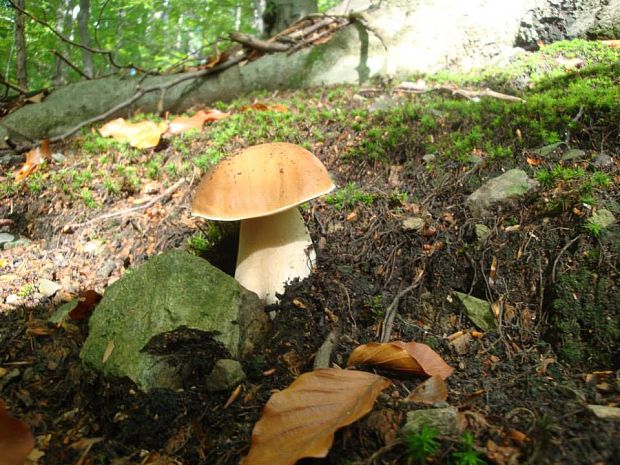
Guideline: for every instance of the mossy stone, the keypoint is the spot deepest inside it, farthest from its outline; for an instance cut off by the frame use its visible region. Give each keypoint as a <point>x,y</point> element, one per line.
<point>174,290</point>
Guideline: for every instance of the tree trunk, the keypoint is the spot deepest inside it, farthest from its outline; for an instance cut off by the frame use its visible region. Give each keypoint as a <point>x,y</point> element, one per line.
<point>82,20</point>
<point>63,24</point>
<point>20,46</point>
<point>259,12</point>
<point>279,14</point>
<point>398,39</point>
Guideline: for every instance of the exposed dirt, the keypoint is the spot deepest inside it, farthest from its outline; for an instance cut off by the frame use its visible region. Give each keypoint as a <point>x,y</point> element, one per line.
<point>505,383</point>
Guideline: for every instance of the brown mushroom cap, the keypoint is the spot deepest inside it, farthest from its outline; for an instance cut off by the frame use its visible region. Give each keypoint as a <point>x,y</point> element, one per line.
<point>259,181</point>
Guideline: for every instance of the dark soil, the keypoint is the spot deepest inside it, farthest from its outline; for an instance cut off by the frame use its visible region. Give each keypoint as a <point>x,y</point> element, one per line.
<point>523,390</point>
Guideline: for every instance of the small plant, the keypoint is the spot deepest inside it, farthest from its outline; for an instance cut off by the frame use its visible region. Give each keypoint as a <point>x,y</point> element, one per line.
<point>593,228</point>
<point>348,196</point>
<point>198,242</point>
<point>111,186</point>
<point>467,455</point>
<point>87,196</point>
<point>35,183</point>
<point>153,169</point>
<point>26,291</point>
<point>422,444</point>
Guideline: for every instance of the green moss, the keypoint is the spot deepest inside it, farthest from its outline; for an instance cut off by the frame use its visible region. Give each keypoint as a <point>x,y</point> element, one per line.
<point>586,319</point>
<point>349,196</point>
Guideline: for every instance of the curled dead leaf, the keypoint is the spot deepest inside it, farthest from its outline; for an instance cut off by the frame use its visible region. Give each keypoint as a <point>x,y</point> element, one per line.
<point>34,159</point>
<point>301,420</point>
<point>430,392</point>
<point>411,357</point>
<point>142,135</point>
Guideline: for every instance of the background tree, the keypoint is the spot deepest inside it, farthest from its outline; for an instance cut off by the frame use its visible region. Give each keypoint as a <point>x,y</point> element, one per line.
<point>20,46</point>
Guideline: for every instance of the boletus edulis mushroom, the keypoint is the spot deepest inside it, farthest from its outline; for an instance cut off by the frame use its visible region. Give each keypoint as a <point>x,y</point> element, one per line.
<point>262,186</point>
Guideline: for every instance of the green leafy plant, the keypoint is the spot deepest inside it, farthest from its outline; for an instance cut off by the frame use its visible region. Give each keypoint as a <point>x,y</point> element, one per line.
<point>422,444</point>
<point>467,455</point>
<point>349,196</point>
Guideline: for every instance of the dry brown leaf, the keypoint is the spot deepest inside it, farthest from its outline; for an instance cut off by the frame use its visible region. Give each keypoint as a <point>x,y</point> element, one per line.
<point>34,158</point>
<point>301,420</point>
<point>86,303</point>
<point>142,135</point>
<point>411,357</point>
<point>16,440</point>
<point>430,392</point>
<point>185,123</point>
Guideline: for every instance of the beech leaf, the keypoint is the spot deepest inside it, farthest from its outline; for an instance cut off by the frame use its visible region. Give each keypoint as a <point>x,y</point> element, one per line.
<point>431,391</point>
<point>411,357</point>
<point>185,123</point>
<point>142,135</point>
<point>33,159</point>
<point>16,440</point>
<point>301,420</point>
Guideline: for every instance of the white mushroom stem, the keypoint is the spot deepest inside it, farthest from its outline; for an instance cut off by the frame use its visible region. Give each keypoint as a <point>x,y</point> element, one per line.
<point>273,250</point>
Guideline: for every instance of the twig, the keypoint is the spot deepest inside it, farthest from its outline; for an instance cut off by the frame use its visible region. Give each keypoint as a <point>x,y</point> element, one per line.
<point>71,65</point>
<point>468,94</point>
<point>557,259</point>
<point>323,355</point>
<point>390,313</point>
<point>167,193</point>
<point>258,44</point>
<point>12,86</point>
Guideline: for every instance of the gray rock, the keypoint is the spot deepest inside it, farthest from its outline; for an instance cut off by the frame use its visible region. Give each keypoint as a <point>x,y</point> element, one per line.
<point>445,420</point>
<point>604,218</point>
<point>429,158</point>
<point>478,311</point>
<point>170,292</point>
<point>510,185</point>
<point>573,154</point>
<point>603,160</point>
<point>107,269</point>
<point>413,223</point>
<point>605,412</point>
<point>48,288</point>
<point>12,299</point>
<point>482,231</point>
<point>384,102</point>
<point>6,237</point>
<point>21,242</point>
<point>226,374</point>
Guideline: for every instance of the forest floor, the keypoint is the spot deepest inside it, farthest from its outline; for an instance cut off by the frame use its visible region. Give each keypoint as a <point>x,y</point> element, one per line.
<point>522,391</point>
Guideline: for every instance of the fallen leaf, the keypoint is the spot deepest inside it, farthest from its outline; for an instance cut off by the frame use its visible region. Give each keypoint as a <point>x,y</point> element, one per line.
<point>16,440</point>
<point>233,397</point>
<point>108,351</point>
<point>430,392</point>
<point>301,420</point>
<point>255,106</point>
<point>34,159</point>
<point>502,455</point>
<point>185,123</point>
<point>86,303</point>
<point>142,135</point>
<point>411,357</point>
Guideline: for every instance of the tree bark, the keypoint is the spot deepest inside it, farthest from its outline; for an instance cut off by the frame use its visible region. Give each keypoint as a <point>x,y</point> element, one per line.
<point>279,14</point>
<point>63,23</point>
<point>82,20</point>
<point>20,46</point>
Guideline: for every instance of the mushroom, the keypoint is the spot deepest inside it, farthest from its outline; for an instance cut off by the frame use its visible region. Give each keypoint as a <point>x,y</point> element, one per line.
<point>262,186</point>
